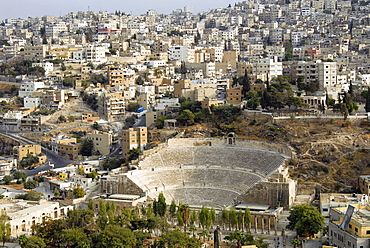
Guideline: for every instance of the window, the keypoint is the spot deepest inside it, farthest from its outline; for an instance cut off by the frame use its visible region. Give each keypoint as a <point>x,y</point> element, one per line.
<point>356,229</point>
<point>367,231</point>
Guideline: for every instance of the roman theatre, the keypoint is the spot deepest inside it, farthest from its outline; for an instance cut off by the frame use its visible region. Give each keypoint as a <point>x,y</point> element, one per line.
<point>211,172</point>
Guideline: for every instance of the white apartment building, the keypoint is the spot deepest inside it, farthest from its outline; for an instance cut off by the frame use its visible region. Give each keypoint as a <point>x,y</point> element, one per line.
<point>95,54</point>
<point>11,120</point>
<point>136,25</point>
<point>330,4</point>
<point>297,37</point>
<point>266,67</point>
<point>324,72</point>
<point>182,53</point>
<point>327,74</point>
<point>27,88</point>
<point>216,53</point>
<point>30,102</point>
<point>48,67</point>
<point>54,30</point>
<point>155,63</point>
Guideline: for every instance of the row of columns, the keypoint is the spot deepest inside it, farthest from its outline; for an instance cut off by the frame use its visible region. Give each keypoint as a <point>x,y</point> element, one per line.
<point>265,224</point>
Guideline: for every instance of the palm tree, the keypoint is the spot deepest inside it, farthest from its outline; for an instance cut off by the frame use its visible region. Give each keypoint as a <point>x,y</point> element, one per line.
<point>295,242</point>
<point>193,229</point>
<point>22,240</point>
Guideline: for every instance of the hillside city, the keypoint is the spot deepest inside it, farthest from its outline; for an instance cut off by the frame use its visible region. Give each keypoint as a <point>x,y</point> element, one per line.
<point>243,126</point>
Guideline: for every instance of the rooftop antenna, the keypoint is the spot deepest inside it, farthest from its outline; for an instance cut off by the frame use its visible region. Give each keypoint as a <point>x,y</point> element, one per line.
<point>88,8</point>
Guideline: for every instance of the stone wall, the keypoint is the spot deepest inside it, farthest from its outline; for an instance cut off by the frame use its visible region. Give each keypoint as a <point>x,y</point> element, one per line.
<point>120,185</point>
<point>275,194</point>
<point>258,144</point>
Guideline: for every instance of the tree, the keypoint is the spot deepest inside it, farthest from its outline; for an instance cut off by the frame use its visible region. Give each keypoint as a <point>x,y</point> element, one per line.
<point>129,122</point>
<point>187,117</point>
<point>134,153</point>
<point>87,147</point>
<point>4,227</point>
<point>246,239</point>
<point>71,118</point>
<point>112,163</point>
<point>160,121</point>
<point>295,242</point>
<point>132,107</point>
<point>232,217</point>
<point>139,80</point>
<point>306,220</point>
<point>62,118</point>
<point>96,126</point>
<point>30,196</point>
<point>225,217</point>
<point>69,82</point>
<point>7,179</point>
<point>22,240</point>
<point>116,236</point>
<point>79,192</point>
<point>247,217</point>
<point>73,236</point>
<point>288,51</point>
<point>56,193</point>
<point>161,206</point>
<point>35,242</point>
<point>31,184</point>
<point>20,175</point>
<point>79,218</point>
<point>367,103</point>
<point>183,214</point>
<point>90,205</point>
<point>178,239</point>
<point>225,114</point>
<point>28,161</point>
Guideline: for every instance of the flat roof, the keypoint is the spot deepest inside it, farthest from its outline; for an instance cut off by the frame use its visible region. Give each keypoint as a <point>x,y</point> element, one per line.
<point>253,206</point>
<point>123,197</point>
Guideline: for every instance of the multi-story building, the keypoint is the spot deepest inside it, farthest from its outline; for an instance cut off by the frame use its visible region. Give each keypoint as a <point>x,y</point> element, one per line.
<point>350,226</point>
<point>134,138</point>
<point>112,106</point>
<point>47,66</point>
<point>35,52</point>
<point>234,95</point>
<point>6,165</point>
<point>59,140</point>
<point>267,68</point>
<point>54,30</point>
<point>102,142</point>
<point>27,88</point>
<point>182,53</point>
<point>69,150</point>
<point>323,72</point>
<point>95,54</point>
<point>31,102</point>
<point>20,152</point>
<point>327,74</point>
<point>30,123</point>
<point>11,120</point>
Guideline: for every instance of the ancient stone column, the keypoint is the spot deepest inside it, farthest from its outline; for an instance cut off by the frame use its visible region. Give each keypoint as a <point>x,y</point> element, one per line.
<point>255,223</point>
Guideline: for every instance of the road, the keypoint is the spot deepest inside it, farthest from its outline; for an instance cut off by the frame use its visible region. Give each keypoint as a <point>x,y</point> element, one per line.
<point>52,157</point>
